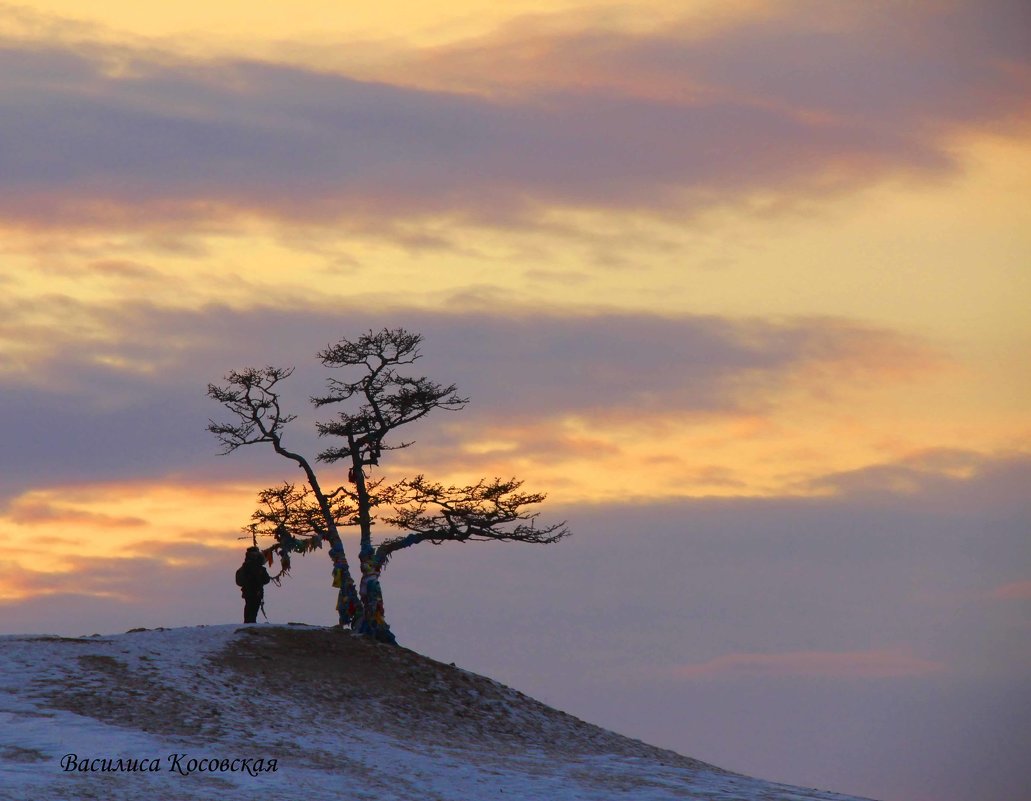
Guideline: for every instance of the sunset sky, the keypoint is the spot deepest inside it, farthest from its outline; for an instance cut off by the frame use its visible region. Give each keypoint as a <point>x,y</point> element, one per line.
<point>743,286</point>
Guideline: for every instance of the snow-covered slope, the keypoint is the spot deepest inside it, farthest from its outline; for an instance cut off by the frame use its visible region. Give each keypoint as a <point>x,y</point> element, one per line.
<point>179,714</point>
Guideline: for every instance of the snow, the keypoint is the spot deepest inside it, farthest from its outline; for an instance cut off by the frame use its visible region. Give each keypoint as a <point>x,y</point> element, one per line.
<point>147,695</point>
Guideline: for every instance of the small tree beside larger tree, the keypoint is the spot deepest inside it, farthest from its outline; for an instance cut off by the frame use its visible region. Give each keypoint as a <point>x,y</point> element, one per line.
<point>373,398</point>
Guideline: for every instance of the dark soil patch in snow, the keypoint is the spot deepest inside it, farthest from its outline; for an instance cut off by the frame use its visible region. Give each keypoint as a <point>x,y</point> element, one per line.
<point>105,688</point>
<point>15,753</point>
<point>411,697</point>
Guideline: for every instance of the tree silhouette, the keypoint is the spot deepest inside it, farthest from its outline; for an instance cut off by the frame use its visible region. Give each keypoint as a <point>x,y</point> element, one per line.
<point>372,401</point>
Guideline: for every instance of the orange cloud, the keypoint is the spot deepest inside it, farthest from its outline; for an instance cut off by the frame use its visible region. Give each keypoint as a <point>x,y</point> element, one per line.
<point>30,511</point>
<point>130,577</point>
<point>1012,591</point>
<point>112,519</point>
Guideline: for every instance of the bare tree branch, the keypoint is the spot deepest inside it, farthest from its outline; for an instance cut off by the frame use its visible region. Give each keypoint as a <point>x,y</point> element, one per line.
<point>488,510</point>
<point>387,399</point>
<point>251,396</point>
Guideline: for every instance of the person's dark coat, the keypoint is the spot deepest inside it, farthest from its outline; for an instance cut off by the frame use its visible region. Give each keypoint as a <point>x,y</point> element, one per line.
<point>252,578</point>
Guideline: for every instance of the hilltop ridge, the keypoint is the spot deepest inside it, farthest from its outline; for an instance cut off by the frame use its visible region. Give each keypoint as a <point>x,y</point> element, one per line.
<point>125,716</point>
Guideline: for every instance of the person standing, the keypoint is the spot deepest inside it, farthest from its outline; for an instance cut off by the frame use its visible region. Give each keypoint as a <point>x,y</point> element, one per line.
<point>251,578</point>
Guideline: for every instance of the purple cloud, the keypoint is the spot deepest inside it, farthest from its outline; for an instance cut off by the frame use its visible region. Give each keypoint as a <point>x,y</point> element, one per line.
<point>81,417</point>
<point>887,663</point>
<point>795,104</point>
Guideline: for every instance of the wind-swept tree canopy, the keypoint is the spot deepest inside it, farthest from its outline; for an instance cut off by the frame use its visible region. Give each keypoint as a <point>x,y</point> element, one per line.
<point>386,399</point>
<point>487,510</point>
<point>373,398</point>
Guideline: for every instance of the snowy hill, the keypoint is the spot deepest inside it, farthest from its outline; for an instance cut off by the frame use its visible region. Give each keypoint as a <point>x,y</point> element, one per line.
<point>201,713</point>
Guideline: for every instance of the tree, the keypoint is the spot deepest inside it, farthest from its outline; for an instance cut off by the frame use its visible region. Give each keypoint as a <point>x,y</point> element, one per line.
<point>374,399</point>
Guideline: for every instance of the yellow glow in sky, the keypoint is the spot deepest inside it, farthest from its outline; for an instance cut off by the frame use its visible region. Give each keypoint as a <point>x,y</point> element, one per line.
<point>234,24</point>
<point>939,263</point>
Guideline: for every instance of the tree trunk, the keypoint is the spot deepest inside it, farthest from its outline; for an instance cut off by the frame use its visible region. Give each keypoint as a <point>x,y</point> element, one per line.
<point>375,621</point>
<point>349,606</point>
<point>350,611</point>
<point>364,512</point>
